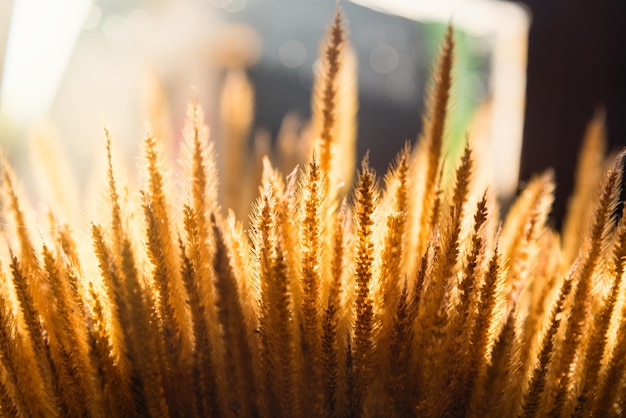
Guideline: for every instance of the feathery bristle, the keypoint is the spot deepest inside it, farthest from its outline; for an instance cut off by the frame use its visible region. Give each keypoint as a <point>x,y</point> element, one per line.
<point>435,120</point>
<point>588,177</point>
<point>366,197</point>
<point>578,323</point>
<point>327,92</point>
<point>413,300</point>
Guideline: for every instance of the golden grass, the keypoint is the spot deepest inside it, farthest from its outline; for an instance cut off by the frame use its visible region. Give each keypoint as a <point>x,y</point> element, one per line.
<point>406,297</point>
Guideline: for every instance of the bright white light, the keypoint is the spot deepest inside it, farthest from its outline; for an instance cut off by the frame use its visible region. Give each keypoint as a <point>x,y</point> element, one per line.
<point>93,19</point>
<point>115,28</point>
<point>41,39</point>
<point>480,17</point>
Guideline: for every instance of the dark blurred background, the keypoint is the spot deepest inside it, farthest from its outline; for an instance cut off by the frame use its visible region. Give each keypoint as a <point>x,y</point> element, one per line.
<point>576,62</point>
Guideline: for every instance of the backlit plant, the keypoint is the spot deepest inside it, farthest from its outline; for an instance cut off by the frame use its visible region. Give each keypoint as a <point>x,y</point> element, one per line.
<point>402,297</point>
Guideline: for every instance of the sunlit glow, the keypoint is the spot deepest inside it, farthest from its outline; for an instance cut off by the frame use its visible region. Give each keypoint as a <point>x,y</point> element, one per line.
<point>41,39</point>
<point>93,19</point>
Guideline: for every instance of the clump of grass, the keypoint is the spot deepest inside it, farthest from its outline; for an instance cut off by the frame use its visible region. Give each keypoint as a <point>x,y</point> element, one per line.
<point>407,297</point>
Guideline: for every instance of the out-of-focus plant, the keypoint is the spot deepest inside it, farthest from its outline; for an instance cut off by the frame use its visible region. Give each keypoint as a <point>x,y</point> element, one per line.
<point>406,297</point>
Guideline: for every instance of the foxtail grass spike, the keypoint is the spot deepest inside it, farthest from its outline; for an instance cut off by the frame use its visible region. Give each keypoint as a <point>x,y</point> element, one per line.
<point>339,296</point>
